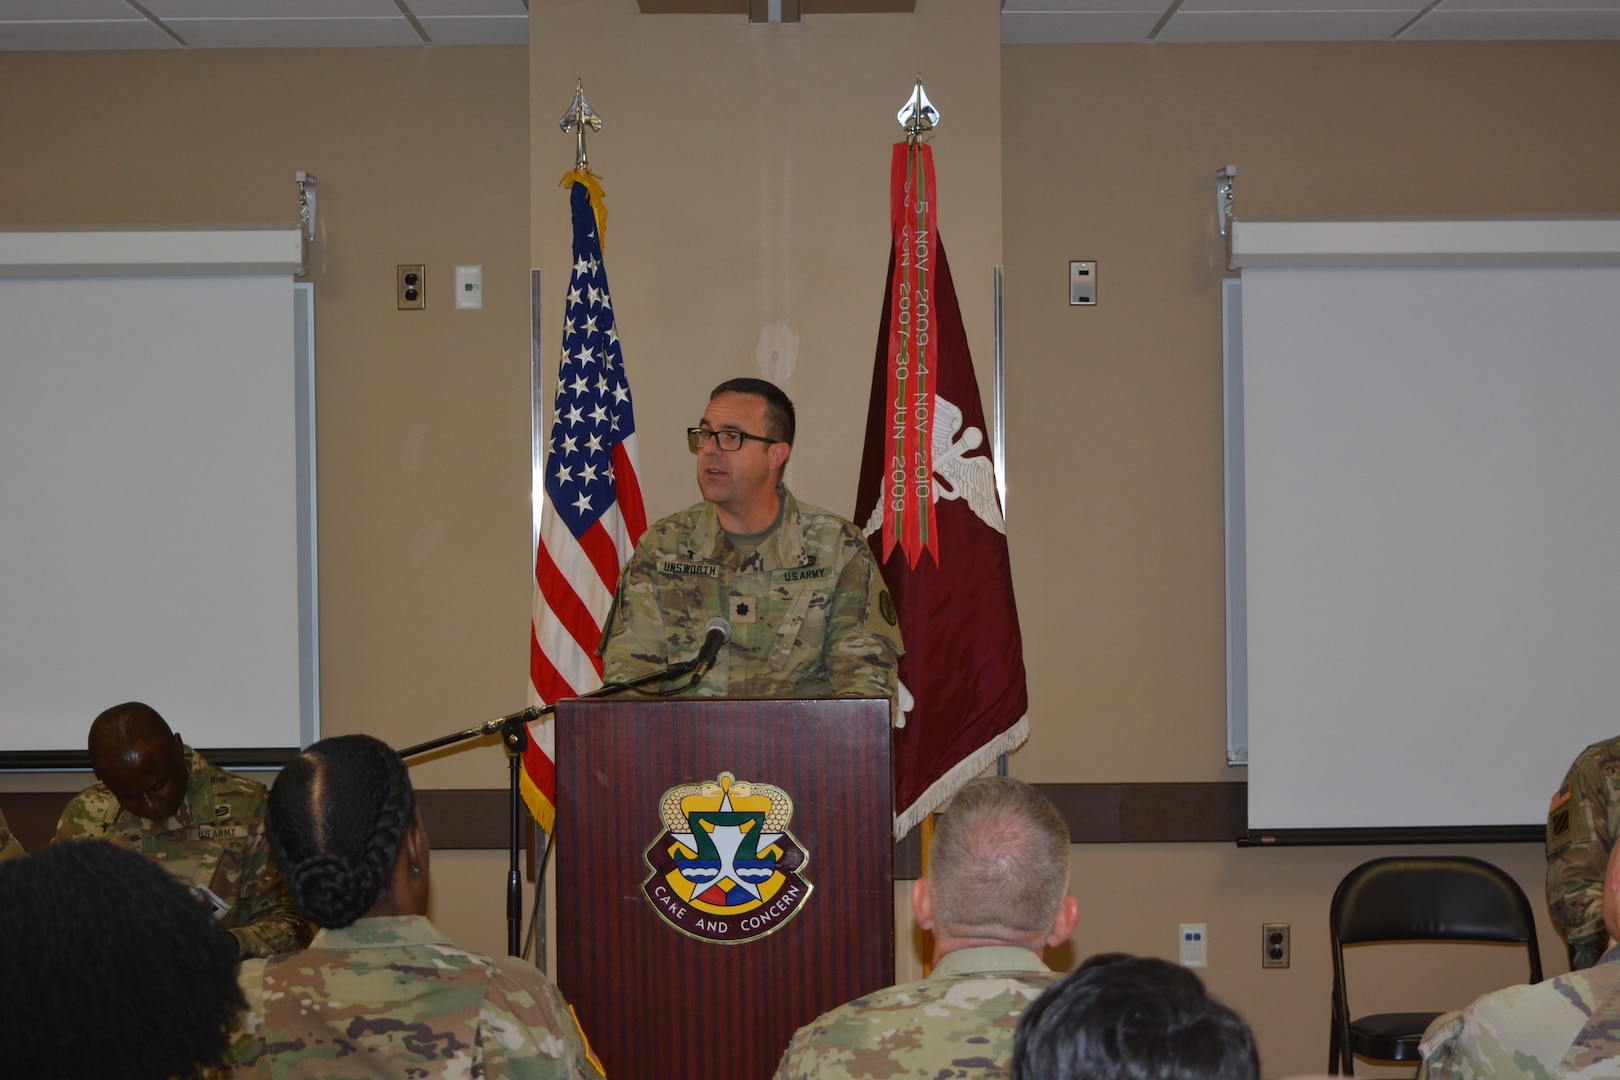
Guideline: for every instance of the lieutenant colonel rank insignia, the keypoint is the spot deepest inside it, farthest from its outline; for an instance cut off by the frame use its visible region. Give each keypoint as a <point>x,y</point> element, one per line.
<point>726,869</point>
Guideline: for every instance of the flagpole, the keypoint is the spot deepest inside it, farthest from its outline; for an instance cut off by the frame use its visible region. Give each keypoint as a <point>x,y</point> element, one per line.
<point>998,412</point>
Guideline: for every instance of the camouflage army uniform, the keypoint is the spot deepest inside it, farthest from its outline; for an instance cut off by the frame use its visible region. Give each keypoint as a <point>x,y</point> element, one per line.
<point>1582,823</point>
<point>959,1022</point>
<point>393,996</point>
<point>809,613</point>
<point>215,839</point>
<point>1564,1027</point>
<point>9,847</point>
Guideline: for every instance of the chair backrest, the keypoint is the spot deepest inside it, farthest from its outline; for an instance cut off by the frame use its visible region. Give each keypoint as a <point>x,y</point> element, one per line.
<point>1432,898</point>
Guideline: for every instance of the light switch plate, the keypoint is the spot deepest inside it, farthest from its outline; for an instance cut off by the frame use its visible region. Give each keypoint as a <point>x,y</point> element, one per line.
<point>469,287</point>
<point>1083,284</point>
<point>1194,945</point>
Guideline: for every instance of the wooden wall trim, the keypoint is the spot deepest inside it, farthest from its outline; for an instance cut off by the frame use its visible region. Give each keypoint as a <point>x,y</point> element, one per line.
<point>1189,813</point>
<point>456,818</point>
<point>475,819</point>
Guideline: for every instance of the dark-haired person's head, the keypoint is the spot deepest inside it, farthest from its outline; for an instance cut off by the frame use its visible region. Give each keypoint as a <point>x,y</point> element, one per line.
<point>742,445</point>
<point>344,830</point>
<point>142,762</point>
<point>109,970</point>
<point>998,871</point>
<point>780,421</point>
<point>1121,1017</point>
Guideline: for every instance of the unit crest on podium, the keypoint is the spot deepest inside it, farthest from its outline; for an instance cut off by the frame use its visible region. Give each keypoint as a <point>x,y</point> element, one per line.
<point>726,869</point>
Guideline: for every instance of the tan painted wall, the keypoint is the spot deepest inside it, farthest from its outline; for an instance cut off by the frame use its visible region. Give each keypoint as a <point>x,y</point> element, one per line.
<point>1114,412</point>
<point>745,169</point>
<point>1114,424</point>
<point>423,416</point>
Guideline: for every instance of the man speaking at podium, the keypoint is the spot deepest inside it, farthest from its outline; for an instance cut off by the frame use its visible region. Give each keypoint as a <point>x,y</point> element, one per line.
<point>809,614</point>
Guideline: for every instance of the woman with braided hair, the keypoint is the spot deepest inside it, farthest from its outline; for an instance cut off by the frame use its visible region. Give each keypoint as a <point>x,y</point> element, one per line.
<point>381,992</point>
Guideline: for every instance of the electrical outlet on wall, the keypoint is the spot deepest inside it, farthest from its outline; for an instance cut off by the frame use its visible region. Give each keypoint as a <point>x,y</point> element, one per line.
<point>1274,945</point>
<point>411,282</point>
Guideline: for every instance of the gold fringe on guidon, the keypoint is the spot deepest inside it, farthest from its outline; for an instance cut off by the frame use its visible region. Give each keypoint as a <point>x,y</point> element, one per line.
<point>943,788</point>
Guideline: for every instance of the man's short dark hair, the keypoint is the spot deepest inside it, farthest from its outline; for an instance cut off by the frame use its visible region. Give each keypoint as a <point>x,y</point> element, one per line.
<point>109,969</point>
<point>1122,1017</point>
<point>120,728</point>
<point>778,409</point>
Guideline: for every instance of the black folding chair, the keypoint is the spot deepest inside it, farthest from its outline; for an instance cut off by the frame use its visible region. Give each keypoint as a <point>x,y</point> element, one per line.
<point>1416,898</point>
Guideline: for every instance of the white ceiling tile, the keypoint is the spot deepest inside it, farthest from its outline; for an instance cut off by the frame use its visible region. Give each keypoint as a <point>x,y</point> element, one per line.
<point>57,10</point>
<point>104,34</point>
<point>436,8</point>
<point>1548,7</point>
<point>271,9</point>
<point>294,33</point>
<point>1516,26</point>
<point>1105,7</point>
<point>1188,26</point>
<point>1411,7</point>
<point>1058,28</point>
<point>477,29</point>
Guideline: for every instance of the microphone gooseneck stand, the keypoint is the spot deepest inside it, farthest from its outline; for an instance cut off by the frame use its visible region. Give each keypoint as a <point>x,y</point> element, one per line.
<point>514,733</point>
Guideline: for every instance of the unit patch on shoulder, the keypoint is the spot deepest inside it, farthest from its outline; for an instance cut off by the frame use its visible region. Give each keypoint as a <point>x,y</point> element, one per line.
<point>726,869</point>
<point>1559,819</point>
<point>886,606</point>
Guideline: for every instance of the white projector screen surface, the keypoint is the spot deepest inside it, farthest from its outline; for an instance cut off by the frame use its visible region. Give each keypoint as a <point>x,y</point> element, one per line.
<point>1431,520</point>
<point>150,526</point>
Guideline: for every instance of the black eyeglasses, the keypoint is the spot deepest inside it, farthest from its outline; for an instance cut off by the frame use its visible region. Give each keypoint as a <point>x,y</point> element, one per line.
<point>726,440</point>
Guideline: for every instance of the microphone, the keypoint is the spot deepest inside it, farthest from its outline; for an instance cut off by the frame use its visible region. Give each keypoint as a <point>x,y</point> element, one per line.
<point>529,715</point>
<point>716,634</point>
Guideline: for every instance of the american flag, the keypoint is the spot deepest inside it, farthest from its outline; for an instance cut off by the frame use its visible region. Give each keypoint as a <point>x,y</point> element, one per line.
<point>592,513</point>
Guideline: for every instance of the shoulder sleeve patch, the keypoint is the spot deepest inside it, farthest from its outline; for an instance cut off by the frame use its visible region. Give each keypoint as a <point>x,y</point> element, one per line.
<point>1560,819</point>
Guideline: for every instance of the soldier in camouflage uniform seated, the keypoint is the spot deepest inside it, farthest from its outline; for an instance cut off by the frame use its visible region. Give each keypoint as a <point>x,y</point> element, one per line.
<point>381,991</point>
<point>996,896</point>
<point>1581,826</point>
<point>1123,1017</point>
<point>203,825</point>
<point>1566,1027</point>
<point>809,613</point>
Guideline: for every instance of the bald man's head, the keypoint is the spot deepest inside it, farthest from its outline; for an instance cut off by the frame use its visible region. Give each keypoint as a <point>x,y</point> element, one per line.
<point>141,761</point>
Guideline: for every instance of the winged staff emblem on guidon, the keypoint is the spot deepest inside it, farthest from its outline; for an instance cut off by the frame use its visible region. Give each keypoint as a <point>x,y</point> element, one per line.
<point>957,476</point>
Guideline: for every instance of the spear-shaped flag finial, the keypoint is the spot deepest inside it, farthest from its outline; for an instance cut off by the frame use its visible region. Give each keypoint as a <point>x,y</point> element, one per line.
<point>918,115</point>
<point>578,117</point>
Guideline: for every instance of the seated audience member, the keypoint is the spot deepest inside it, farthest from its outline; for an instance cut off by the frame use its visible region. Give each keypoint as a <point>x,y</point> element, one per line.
<point>203,825</point>
<point>1121,1017</point>
<point>1563,1027</point>
<point>109,970</point>
<point>9,847</point>
<point>1582,823</point>
<point>996,896</point>
<point>381,991</point>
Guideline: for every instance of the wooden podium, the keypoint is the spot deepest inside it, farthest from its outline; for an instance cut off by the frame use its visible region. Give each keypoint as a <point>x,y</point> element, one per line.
<point>696,933</point>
